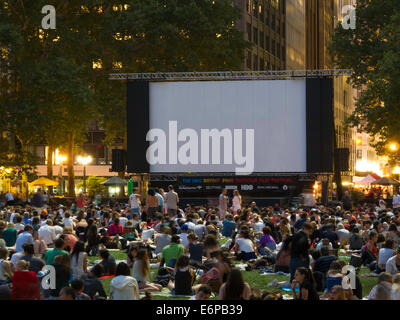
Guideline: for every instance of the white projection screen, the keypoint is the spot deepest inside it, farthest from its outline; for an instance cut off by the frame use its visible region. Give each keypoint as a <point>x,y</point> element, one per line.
<point>275,110</point>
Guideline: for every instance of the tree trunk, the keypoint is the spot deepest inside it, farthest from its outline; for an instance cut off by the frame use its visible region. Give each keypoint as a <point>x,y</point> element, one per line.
<point>122,173</point>
<point>50,151</point>
<point>70,166</point>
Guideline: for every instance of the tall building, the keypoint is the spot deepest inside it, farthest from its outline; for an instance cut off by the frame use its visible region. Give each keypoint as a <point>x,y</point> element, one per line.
<point>295,34</point>
<point>264,25</point>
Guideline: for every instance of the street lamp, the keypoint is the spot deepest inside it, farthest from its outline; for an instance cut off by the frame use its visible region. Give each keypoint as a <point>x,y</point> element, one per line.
<point>394,146</point>
<point>84,161</point>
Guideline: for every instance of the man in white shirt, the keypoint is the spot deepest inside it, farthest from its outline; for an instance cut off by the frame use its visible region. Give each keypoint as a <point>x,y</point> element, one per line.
<point>10,199</point>
<point>123,220</point>
<point>396,201</point>
<point>12,217</point>
<point>172,201</point>
<point>47,233</point>
<point>68,221</point>
<point>393,264</point>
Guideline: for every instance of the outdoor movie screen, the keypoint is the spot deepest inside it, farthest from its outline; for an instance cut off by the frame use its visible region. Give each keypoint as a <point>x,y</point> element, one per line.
<point>239,127</point>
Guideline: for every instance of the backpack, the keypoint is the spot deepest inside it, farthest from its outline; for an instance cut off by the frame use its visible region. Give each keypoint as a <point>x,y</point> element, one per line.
<point>114,243</point>
<point>164,276</point>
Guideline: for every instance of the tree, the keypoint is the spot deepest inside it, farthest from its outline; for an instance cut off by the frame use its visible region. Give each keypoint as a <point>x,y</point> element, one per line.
<point>94,185</point>
<point>372,50</point>
<point>57,80</point>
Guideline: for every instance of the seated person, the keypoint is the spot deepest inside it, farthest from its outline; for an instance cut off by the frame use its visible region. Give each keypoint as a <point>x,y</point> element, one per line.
<point>330,234</point>
<point>108,262</point>
<point>323,263</point>
<point>194,248</point>
<point>184,278</point>
<point>267,244</point>
<point>385,254</point>
<point>244,247</point>
<point>324,243</point>
<point>92,286</point>
<point>171,252</point>
<point>356,240</point>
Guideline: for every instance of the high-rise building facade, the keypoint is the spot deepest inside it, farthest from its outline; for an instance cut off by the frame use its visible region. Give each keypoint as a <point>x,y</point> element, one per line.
<point>264,25</point>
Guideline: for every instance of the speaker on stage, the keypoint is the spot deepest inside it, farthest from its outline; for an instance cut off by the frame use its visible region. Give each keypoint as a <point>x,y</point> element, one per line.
<point>118,160</point>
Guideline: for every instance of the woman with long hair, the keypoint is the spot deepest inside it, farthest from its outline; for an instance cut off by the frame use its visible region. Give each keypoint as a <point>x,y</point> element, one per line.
<point>307,287</point>
<point>338,293</point>
<point>236,202</point>
<point>184,278</point>
<point>78,260</point>
<point>210,244</point>
<point>93,240</point>
<point>223,264</point>
<point>235,288</point>
<point>282,261</point>
<point>141,269</point>
<point>131,255</point>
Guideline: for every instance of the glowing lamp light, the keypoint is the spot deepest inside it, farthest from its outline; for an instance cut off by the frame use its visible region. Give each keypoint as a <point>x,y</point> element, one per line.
<point>394,146</point>
<point>396,170</point>
<point>84,160</point>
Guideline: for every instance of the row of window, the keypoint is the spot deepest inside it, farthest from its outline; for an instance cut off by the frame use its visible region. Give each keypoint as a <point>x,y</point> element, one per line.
<point>269,17</point>
<point>253,62</point>
<point>265,42</point>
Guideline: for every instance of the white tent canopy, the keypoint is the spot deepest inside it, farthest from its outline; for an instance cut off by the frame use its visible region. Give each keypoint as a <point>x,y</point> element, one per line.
<point>367,180</point>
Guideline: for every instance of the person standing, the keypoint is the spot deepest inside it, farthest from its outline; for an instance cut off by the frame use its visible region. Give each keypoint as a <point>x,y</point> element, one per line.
<point>223,203</point>
<point>10,199</point>
<point>134,203</point>
<point>160,201</point>
<point>172,201</point>
<point>80,201</point>
<point>346,200</point>
<point>236,201</point>
<point>37,200</point>
<point>396,201</point>
<point>299,256</point>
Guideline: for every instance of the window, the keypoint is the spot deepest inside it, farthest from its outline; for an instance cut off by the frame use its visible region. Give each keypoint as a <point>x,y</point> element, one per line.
<point>262,40</point>
<point>249,60</point>
<point>255,36</point>
<point>261,12</point>
<point>255,8</point>
<point>262,66</point>
<point>255,62</point>
<point>248,5</point>
<point>248,30</point>
<point>278,27</point>
<point>278,51</point>
<point>268,41</point>
<point>273,47</point>
<point>273,22</point>
<point>359,154</point>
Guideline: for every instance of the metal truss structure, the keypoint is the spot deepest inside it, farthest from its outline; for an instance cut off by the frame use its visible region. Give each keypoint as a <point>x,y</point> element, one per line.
<point>232,75</point>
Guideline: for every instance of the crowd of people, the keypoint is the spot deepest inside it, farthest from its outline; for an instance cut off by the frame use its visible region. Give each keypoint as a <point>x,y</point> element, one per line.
<point>196,252</point>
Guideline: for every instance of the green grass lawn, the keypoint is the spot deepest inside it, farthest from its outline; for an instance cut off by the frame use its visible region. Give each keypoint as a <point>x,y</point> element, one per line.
<point>253,278</point>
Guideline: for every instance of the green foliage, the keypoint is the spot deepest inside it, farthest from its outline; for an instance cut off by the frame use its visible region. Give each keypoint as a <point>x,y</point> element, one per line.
<point>93,185</point>
<point>372,50</point>
<point>53,91</point>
